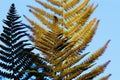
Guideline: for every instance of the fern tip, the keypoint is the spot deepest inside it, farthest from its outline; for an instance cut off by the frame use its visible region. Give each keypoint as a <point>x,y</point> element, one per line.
<point>28,6</point>
<point>36,0</point>
<point>107,63</point>
<point>109,40</point>
<point>109,75</point>
<point>98,21</point>
<point>24,16</point>
<point>30,10</point>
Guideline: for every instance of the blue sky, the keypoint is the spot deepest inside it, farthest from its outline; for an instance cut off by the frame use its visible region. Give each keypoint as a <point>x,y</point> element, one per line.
<point>107,12</point>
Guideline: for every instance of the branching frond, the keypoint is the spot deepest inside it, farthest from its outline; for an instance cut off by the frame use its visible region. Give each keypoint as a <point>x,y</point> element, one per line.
<point>12,57</point>
<point>69,32</point>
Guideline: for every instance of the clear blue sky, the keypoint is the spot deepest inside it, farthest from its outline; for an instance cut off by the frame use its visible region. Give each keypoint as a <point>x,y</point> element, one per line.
<point>108,13</point>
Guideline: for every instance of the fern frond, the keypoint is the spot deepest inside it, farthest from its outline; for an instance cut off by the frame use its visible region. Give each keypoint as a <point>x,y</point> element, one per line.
<point>12,57</point>
<point>42,12</point>
<point>95,55</point>
<point>83,42</point>
<point>69,33</point>
<point>45,21</point>
<point>37,27</point>
<point>82,32</point>
<point>71,71</point>
<point>58,11</point>
<point>80,17</point>
<point>94,72</point>
<point>77,9</point>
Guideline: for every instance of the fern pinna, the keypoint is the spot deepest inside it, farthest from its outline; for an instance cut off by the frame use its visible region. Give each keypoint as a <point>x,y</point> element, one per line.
<point>67,34</point>
<point>12,57</point>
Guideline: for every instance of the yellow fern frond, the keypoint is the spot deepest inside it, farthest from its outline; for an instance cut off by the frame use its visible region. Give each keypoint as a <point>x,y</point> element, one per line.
<point>67,34</point>
<point>75,69</point>
<point>94,72</point>
<point>82,43</point>
<point>36,26</point>
<point>42,12</point>
<point>80,17</point>
<point>58,11</point>
<point>85,30</point>
<point>77,9</point>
